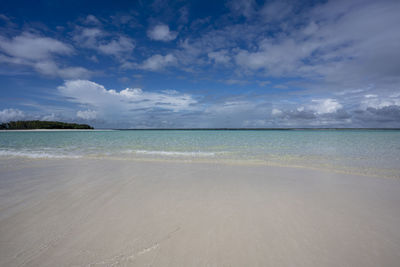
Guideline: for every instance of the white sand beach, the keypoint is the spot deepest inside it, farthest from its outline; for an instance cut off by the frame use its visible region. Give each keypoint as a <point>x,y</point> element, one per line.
<point>82,212</point>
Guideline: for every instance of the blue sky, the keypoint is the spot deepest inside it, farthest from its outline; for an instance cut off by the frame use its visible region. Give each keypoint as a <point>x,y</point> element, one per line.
<point>173,64</point>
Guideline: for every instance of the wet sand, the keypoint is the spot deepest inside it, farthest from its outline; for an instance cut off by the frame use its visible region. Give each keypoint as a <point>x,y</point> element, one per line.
<point>82,212</point>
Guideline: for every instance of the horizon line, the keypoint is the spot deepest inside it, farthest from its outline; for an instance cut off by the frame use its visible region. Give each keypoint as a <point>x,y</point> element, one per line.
<point>239,129</point>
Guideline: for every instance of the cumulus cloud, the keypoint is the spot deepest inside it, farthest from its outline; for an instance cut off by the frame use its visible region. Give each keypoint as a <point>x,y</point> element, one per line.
<point>371,111</point>
<point>388,116</point>
<point>39,52</point>
<point>158,62</point>
<point>311,113</point>
<point>385,114</point>
<point>118,46</point>
<point>32,47</point>
<point>50,117</point>
<point>318,108</point>
<point>276,112</point>
<point>10,114</point>
<point>104,42</point>
<point>88,37</point>
<point>323,106</point>
<point>52,69</point>
<point>277,57</point>
<point>161,32</point>
<point>220,57</point>
<point>92,20</point>
<point>128,100</point>
<point>86,114</point>
<point>376,102</point>
<point>130,107</point>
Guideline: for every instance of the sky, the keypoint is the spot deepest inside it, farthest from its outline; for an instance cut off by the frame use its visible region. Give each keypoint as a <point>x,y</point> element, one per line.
<point>201,64</point>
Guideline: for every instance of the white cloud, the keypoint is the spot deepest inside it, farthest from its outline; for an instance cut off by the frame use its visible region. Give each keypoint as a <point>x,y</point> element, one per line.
<point>124,102</point>
<point>28,46</point>
<point>11,115</point>
<point>73,72</point>
<point>50,117</point>
<point>370,96</point>
<point>90,19</point>
<point>117,47</point>
<point>87,37</point>
<point>39,53</point>
<point>220,57</point>
<point>229,107</point>
<point>50,68</point>
<point>235,81</point>
<point>276,112</point>
<point>158,62</point>
<point>86,114</point>
<point>104,42</point>
<point>324,106</point>
<point>161,32</point>
<point>275,57</point>
<point>374,101</point>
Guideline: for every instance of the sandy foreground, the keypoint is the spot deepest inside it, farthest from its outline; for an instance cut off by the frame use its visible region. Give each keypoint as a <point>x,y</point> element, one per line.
<point>125,213</point>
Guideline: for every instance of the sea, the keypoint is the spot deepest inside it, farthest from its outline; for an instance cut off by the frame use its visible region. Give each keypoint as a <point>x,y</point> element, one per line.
<point>365,152</point>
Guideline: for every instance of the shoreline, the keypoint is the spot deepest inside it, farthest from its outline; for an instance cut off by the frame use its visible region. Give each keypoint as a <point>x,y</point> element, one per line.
<point>372,172</point>
<point>101,212</point>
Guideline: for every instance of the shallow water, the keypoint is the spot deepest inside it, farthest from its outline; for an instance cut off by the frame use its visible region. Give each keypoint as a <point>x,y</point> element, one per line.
<point>375,152</point>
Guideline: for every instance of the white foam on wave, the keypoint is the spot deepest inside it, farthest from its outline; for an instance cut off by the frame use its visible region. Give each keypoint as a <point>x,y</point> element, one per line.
<point>175,153</point>
<point>34,154</point>
<point>51,154</point>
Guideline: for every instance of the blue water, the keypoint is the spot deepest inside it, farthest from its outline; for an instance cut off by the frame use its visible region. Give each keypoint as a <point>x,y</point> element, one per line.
<point>374,152</point>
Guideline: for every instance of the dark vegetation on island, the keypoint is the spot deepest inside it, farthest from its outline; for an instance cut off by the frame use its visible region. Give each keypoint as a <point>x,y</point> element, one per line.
<point>28,125</point>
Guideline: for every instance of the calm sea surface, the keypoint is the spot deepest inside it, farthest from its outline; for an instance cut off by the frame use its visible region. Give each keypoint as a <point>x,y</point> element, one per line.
<point>375,152</point>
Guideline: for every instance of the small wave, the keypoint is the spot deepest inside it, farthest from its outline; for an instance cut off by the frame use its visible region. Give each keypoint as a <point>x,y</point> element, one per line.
<point>175,153</point>
<point>34,154</point>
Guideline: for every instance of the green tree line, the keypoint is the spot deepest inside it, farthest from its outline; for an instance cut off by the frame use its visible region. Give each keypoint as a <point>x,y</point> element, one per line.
<point>26,125</point>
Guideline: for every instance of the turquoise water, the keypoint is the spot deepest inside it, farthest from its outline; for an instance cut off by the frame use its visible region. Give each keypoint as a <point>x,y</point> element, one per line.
<point>374,152</point>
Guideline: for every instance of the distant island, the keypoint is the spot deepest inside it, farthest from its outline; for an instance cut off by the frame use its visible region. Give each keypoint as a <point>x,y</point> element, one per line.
<point>30,125</point>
